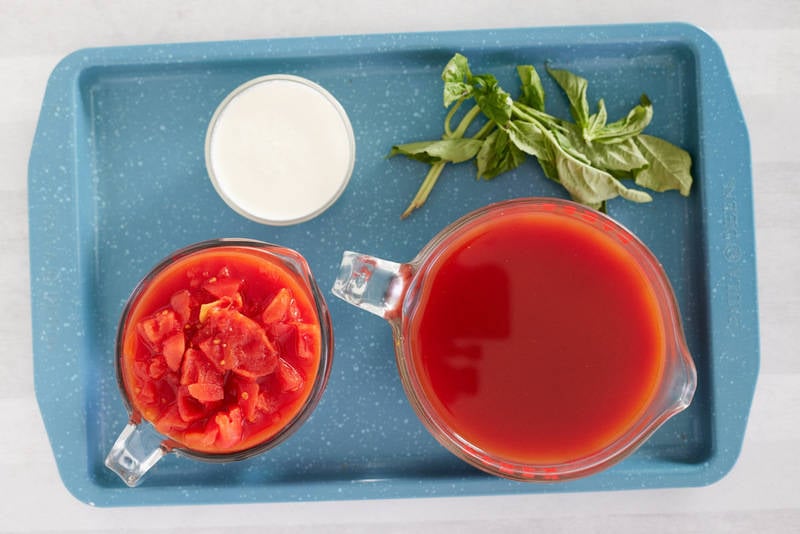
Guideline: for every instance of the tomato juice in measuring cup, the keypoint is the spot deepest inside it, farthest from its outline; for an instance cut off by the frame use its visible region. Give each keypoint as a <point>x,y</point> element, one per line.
<point>536,339</point>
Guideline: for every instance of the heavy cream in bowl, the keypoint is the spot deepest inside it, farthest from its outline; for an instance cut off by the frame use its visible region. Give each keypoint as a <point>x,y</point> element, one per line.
<point>280,149</point>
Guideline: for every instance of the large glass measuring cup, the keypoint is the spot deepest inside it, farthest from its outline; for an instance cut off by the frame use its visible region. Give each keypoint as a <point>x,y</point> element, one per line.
<point>536,339</point>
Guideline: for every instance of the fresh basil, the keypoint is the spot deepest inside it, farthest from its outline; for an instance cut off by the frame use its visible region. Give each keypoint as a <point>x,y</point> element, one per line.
<point>449,150</point>
<point>531,89</point>
<point>668,165</point>
<point>498,155</point>
<point>589,157</point>
<point>575,89</point>
<point>632,125</point>
<point>456,76</point>
<point>494,102</point>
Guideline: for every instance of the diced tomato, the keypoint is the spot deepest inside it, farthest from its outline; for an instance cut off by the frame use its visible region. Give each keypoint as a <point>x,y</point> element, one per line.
<point>157,368</point>
<point>281,309</point>
<point>190,367</point>
<point>239,344</point>
<point>288,376</point>
<point>267,403</point>
<point>211,350</point>
<point>189,408</point>
<point>245,392</point>
<point>201,438</point>
<point>170,421</point>
<point>181,303</point>
<point>197,369</point>
<point>173,349</point>
<point>223,287</point>
<point>294,312</point>
<point>141,369</point>
<point>156,393</point>
<point>157,327</point>
<point>308,340</point>
<point>278,308</point>
<point>282,335</point>
<point>148,393</point>
<point>223,303</point>
<point>257,357</point>
<point>230,427</point>
<point>206,392</point>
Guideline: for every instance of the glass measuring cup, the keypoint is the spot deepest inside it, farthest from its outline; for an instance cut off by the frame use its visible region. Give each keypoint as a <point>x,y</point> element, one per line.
<point>255,346</point>
<point>514,351</point>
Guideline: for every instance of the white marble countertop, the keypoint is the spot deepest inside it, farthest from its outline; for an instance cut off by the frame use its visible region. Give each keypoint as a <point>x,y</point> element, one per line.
<point>761,43</point>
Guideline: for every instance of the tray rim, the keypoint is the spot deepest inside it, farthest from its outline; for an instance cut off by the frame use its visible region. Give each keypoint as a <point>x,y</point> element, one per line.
<point>731,255</point>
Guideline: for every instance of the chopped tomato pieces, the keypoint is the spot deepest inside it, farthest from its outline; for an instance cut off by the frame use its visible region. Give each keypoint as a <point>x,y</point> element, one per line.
<point>197,369</point>
<point>173,349</point>
<point>278,307</point>
<point>157,368</point>
<point>246,393</point>
<point>308,339</point>
<point>202,438</point>
<point>189,408</point>
<point>224,351</point>
<point>157,327</point>
<point>230,427</point>
<point>170,421</point>
<point>267,403</point>
<point>223,287</point>
<point>290,379</point>
<point>181,302</point>
<point>239,344</point>
<point>206,392</point>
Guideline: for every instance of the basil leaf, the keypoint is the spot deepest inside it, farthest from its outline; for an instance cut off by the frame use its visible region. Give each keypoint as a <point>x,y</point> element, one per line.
<point>669,166</point>
<point>575,88</point>
<point>597,121</point>
<point>456,76</point>
<point>450,150</point>
<point>632,125</point>
<point>572,144</point>
<point>589,185</point>
<point>529,138</point>
<point>493,101</point>
<point>498,155</point>
<point>621,160</point>
<point>532,138</point>
<point>531,87</point>
<point>549,169</point>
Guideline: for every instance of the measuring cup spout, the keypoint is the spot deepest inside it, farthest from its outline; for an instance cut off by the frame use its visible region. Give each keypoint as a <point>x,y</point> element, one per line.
<point>685,380</point>
<point>372,284</point>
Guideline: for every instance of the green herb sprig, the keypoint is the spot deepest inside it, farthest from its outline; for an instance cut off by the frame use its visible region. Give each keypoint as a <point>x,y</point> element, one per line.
<point>589,157</point>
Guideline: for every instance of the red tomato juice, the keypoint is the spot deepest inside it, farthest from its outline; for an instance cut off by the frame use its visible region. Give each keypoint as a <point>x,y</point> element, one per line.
<point>221,349</point>
<point>537,338</point>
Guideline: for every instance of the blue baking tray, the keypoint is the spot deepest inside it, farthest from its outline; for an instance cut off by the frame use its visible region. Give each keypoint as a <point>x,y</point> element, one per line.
<point>117,181</point>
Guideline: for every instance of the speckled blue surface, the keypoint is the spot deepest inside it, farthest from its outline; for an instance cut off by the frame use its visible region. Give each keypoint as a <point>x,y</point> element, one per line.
<point>117,181</point>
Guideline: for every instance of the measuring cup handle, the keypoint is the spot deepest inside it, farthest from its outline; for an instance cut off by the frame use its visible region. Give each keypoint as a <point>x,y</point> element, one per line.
<point>136,450</point>
<point>375,285</point>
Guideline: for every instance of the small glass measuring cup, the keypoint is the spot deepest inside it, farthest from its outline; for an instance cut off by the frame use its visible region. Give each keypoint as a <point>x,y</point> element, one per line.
<point>140,445</point>
<point>405,294</point>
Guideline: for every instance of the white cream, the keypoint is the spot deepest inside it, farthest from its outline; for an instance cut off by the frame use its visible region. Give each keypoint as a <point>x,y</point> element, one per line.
<point>280,149</point>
